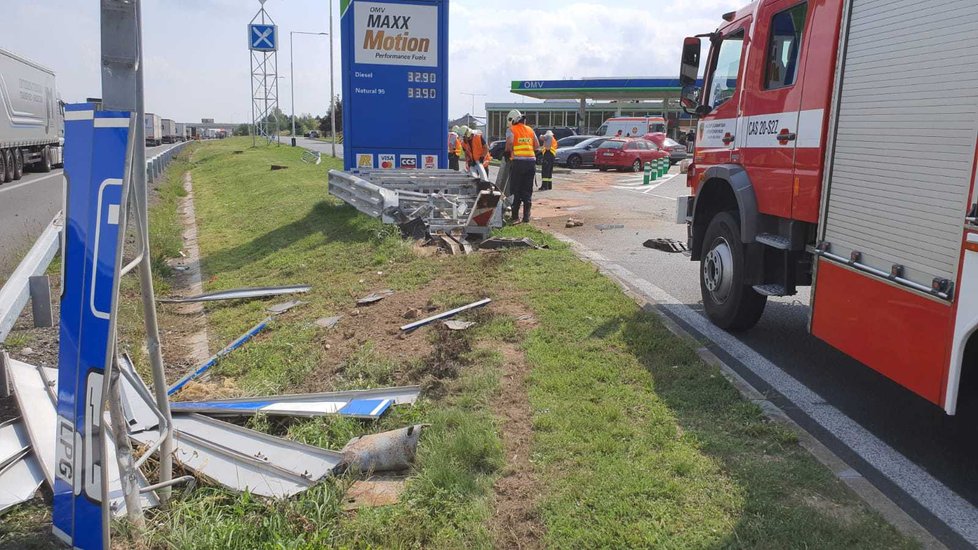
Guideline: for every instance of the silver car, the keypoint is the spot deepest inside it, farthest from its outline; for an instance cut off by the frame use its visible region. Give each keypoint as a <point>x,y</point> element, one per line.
<point>580,155</point>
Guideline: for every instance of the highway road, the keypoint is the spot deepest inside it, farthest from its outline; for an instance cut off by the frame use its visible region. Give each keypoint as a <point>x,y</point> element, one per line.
<point>26,207</point>
<point>320,146</point>
<point>922,459</point>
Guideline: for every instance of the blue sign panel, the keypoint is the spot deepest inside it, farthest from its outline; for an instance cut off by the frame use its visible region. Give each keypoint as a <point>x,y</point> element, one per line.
<point>263,38</point>
<point>94,169</point>
<point>395,84</point>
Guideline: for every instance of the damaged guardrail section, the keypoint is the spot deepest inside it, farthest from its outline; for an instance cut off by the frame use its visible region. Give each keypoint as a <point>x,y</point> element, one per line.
<point>16,291</point>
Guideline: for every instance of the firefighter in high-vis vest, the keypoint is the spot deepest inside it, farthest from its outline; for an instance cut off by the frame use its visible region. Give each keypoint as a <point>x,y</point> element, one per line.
<point>454,148</point>
<point>476,152</point>
<point>521,148</point>
<point>549,150</point>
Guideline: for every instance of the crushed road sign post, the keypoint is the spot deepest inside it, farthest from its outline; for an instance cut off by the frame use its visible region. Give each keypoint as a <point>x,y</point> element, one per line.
<point>369,404</point>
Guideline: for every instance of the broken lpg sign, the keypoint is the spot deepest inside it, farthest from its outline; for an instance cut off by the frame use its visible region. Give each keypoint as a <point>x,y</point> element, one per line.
<point>96,172</point>
<point>395,82</point>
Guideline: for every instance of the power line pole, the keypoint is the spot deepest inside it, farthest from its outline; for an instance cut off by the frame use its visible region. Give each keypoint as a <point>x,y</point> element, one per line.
<point>473,96</point>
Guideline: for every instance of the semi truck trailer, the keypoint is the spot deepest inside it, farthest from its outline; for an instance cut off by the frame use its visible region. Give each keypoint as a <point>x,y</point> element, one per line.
<point>183,133</point>
<point>169,131</point>
<point>31,118</point>
<point>153,126</point>
<point>836,150</point>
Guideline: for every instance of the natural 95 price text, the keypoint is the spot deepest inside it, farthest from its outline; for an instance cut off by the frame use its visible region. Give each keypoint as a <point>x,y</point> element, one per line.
<point>422,93</point>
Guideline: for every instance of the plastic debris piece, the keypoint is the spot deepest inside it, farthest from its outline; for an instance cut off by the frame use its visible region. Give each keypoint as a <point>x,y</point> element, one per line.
<point>459,325</point>
<point>375,297</point>
<point>329,322</point>
<point>279,309</point>
<point>666,245</point>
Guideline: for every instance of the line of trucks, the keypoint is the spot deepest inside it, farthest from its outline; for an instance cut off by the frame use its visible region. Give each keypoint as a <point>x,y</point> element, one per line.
<point>164,130</point>
<point>32,120</point>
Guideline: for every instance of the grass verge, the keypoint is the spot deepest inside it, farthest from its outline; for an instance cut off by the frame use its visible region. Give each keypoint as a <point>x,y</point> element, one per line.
<point>635,442</point>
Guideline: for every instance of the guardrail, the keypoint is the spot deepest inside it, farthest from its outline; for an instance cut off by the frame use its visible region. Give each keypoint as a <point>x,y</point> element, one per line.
<point>157,164</point>
<point>15,292</point>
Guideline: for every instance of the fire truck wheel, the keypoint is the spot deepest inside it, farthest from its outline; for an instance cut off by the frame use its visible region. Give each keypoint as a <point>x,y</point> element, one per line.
<point>730,302</point>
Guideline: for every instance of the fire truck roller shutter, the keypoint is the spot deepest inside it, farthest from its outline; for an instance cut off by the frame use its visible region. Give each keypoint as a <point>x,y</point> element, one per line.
<point>901,167</point>
<point>720,183</point>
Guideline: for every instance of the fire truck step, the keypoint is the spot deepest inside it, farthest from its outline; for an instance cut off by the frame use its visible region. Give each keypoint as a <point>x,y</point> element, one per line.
<point>771,290</point>
<point>774,241</point>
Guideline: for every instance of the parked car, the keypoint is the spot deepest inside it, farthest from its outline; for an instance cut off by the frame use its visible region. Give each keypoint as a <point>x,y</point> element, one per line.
<point>627,154</point>
<point>312,135</point>
<point>572,141</point>
<point>581,154</point>
<point>677,151</point>
<point>497,149</point>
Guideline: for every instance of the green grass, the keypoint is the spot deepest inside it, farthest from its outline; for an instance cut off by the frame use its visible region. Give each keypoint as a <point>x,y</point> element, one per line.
<point>636,442</point>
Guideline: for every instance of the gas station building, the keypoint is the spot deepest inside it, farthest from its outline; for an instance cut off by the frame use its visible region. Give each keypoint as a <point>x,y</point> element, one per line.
<point>586,104</point>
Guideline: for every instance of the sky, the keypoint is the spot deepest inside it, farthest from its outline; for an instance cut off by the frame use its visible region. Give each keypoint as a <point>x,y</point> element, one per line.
<point>197,62</point>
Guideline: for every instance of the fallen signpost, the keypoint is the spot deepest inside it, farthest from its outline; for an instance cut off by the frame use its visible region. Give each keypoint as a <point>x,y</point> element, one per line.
<point>196,373</point>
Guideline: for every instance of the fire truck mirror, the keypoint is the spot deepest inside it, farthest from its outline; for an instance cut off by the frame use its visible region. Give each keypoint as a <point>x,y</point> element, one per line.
<point>690,68</point>
<point>690,100</point>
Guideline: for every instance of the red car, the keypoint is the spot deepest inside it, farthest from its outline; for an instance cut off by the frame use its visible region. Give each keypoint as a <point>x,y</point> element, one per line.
<point>627,154</point>
<point>676,150</point>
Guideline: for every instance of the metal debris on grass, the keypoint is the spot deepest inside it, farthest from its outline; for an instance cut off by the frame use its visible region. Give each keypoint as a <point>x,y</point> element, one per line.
<point>239,294</point>
<point>444,315</point>
<point>375,297</point>
<point>392,451</point>
<point>197,372</point>
<point>666,245</point>
<point>279,309</point>
<point>459,325</point>
<point>369,404</point>
<point>499,243</point>
<point>247,460</point>
<point>20,478</point>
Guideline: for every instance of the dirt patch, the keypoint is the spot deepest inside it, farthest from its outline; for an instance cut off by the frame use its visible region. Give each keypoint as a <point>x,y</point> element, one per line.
<point>187,336</point>
<point>376,328</point>
<point>517,522</point>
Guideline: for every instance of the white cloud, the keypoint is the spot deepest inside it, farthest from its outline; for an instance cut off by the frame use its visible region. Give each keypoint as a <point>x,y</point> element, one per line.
<point>197,64</point>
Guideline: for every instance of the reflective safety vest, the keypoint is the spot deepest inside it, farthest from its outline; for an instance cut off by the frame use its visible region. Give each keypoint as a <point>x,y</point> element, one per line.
<point>553,145</point>
<point>523,142</point>
<point>454,144</point>
<point>475,148</point>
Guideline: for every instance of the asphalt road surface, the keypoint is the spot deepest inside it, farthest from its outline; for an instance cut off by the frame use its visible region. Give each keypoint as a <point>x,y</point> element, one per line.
<point>27,206</point>
<point>944,448</point>
<point>320,146</point>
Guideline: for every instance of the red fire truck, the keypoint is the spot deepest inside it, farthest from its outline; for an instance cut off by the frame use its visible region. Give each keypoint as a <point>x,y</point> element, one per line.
<point>829,154</point>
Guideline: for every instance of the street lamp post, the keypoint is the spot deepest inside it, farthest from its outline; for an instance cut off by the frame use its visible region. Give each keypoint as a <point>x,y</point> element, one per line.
<point>332,93</point>
<point>292,70</point>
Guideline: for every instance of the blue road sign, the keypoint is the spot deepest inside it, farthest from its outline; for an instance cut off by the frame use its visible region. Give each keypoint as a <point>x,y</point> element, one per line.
<point>263,38</point>
<point>395,84</point>
<point>94,169</point>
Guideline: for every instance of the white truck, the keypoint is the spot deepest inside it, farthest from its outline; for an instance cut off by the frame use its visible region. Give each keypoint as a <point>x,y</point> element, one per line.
<point>153,126</point>
<point>183,133</point>
<point>169,131</point>
<point>31,118</point>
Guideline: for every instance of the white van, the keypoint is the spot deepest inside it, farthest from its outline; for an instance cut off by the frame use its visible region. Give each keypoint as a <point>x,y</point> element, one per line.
<point>632,126</point>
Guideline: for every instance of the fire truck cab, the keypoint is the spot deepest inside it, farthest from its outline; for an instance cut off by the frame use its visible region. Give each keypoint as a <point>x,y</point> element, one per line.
<point>836,149</point>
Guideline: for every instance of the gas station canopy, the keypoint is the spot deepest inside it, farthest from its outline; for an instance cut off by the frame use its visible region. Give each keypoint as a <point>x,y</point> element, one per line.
<point>600,88</point>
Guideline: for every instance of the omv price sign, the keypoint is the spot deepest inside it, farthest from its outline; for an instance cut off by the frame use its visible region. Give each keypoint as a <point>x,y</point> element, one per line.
<point>263,38</point>
<point>395,83</point>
